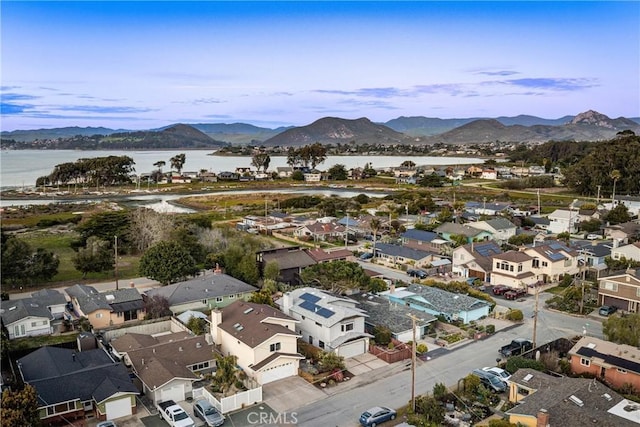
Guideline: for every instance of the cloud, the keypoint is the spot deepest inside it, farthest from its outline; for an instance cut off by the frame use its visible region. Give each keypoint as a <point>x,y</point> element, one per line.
<point>11,109</point>
<point>496,73</point>
<point>17,97</point>
<point>554,84</point>
<point>102,109</point>
<point>375,92</point>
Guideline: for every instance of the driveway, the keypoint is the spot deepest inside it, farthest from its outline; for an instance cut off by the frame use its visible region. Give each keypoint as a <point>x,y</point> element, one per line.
<point>288,393</point>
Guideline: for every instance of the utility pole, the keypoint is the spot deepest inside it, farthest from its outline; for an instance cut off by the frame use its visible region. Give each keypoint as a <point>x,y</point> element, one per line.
<point>116,260</point>
<point>598,197</point>
<point>535,317</point>
<point>539,213</point>
<point>413,363</point>
<point>346,232</point>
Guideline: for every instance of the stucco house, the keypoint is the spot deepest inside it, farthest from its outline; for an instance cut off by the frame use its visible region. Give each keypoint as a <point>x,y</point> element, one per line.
<point>74,385</point>
<point>213,289</point>
<point>563,221</point>
<point>543,400</point>
<point>108,308</point>
<point>32,316</point>
<point>500,228</point>
<point>436,302</point>
<point>291,261</point>
<point>621,289</point>
<point>628,252</point>
<point>396,255</point>
<point>320,231</point>
<point>513,269</point>
<point>449,229</point>
<point>425,241</point>
<point>621,233</point>
<point>263,339</point>
<point>166,365</point>
<point>553,260</point>
<point>475,260</point>
<point>615,364</point>
<point>327,321</point>
<point>395,317</point>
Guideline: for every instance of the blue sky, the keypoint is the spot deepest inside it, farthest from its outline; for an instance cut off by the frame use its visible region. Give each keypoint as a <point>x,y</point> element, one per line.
<point>140,65</point>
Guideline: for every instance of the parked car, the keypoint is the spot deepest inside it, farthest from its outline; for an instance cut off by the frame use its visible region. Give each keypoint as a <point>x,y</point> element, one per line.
<point>514,294</point>
<point>107,423</point>
<point>417,273</point>
<point>606,310</point>
<point>504,375</point>
<point>376,415</point>
<point>207,413</point>
<point>593,236</point>
<point>490,380</point>
<point>500,289</point>
<point>365,256</point>
<point>516,347</point>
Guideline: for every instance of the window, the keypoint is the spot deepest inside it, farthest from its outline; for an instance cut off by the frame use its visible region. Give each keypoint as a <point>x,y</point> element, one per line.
<point>318,324</point>
<point>200,366</point>
<point>34,324</point>
<point>218,299</point>
<point>523,391</point>
<point>519,268</point>
<point>238,295</point>
<point>610,286</point>
<point>346,327</point>
<point>585,362</point>
<point>98,315</point>
<point>545,263</point>
<point>511,268</point>
<point>536,263</point>
<point>232,296</point>
<point>274,347</point>
<point>321,344</point>
<point>119,314</point>
<point>622,371</point>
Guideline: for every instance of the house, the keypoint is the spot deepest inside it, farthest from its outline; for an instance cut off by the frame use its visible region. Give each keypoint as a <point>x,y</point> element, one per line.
<point>167,365</point>
<point>327,321</point>
<point>484,208</point>
<point>622,233</point>
<point>489,173</point>
<point>397,318</point>
<point>284,171</point>
<point>425,241</point>
<point>551,261</point>
<point>513,269</point>
<point>449,229</point>
<point>563,221</point>
<point>313,176</point>
<point>629,252</point>
<point>544,400</point>
<point>32,316</point>
<point>475,260</point>
<point>213,289</point>
<point>401,255</point>
<point>55,302</point>
<point>74,385</point>
<point>291,261</point>
<point>108,308</point>
<point>540,223</point>
<point>320,231</point>
<point>500,228</point>
<point>263,339</point>
<point>438,302</point>
<point>621,290</point>
<point>208,177</point>
<point>320,255</point>
<point>594,255</point>
<point>228,176</point>
<point>616,364</point>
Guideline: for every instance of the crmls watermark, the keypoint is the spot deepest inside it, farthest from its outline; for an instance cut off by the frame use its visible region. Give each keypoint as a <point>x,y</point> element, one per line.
<point>272,418</point>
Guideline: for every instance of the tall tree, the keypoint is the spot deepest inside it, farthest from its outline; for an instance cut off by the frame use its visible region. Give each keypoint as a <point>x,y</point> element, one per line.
<point>20,407</point>
<point>95,257</point>
<point>167,262</point>
<point>336,276</point>
<point>178,161</point>
<point>615,176</point>
<point>160,164</point>
<point>156,307</point>
<point>338,172</point>
<point>624,329</point>
<point>261,160</point>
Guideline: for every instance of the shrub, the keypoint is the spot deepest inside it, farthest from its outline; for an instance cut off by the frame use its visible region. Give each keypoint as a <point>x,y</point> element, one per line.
<point>515,315</point>
<point>421,348</point>
<point>516,362</point>
<point>491,329</point>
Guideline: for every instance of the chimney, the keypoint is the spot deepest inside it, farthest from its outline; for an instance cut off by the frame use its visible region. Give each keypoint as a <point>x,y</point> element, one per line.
<point>392,287</point>
<point>542,419</point>
<point>142,361</point>
<point>132,285</point>
<point>180,349</point>
<point>218,270</point>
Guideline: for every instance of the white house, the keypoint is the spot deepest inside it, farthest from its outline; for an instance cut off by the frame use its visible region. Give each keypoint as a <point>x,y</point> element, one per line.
<point>327,321</point>
<point>513,269</point>
<point>629,252</point>
<point>263,339</point>
<point>501,228</point>
<point>562,221</point>
<point>32,316</point>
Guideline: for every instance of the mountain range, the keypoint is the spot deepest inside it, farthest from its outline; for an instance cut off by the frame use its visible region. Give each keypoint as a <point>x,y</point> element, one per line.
<point>587,126</point>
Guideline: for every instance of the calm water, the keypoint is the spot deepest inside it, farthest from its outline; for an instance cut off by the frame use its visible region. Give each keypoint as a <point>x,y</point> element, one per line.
<point>22,167</point>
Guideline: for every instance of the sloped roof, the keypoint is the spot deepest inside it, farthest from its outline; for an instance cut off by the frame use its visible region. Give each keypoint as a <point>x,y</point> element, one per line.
<point>291,259</point>
<point>117,300</point>
<point>420,235</point>
<point>443,301</point>
<point>49,297</point>
<point>395,317</point>
<point>401,251</point>
<point>323,307</point>
<point>320,255</point>
<point>48,362</point>
<point>132,341</point>
<point>619,355</point>
<point>513,256</point>
<point>249,322</point>
<point>201,288</point>
<point>499,223</point>
<point>463,230</point>
<point>13,311</point>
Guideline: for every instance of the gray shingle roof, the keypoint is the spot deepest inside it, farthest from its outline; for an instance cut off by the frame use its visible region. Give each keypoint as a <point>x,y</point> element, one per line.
<point>463,230</point>
<point>201,288</point>
<point>395,317</point>
<point>117,300</point>
<point>421,235</point>
<point>500,223</point>
<point>291,259</point>
<point>49,297</point>
<point>443,301</point>
<point>16,310</point>
<point>401,251</point>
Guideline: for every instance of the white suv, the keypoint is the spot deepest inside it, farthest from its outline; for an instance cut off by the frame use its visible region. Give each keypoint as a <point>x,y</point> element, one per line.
<point>501,373</point>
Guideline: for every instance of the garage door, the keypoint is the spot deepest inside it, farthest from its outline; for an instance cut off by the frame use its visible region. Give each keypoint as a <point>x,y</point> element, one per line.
<point>352,349</point>
<point>118,408</point>
<point>175,393</point>
<point>278,372</point>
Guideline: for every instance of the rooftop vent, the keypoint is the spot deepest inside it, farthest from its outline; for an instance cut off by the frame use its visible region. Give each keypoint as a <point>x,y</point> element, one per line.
<point>591,345</point>
<point>198,344</point>
<point>180,349</point>
<point>248,310</point>
<point>527,378</point>
<point>110,297</point>
<point>577,401</point>
<point>607,396</point>
<point>12,308</point>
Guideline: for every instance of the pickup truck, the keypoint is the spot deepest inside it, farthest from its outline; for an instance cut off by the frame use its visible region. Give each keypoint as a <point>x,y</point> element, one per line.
<point>173,413</point>
<point>514,294</point>
<point>516,347</point>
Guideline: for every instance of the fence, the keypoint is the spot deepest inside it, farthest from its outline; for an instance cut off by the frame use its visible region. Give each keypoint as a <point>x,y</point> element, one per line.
<point>146,327</point>
<point>399,352</point>
<point>231,403</point>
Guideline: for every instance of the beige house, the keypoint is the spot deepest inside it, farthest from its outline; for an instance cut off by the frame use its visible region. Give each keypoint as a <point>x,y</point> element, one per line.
<point>475,260</point>
<point>513,269</point>
<point>621,290</point>
<point>263,339</point>
<point>108,308</point>
<point>629,252</point>
<point>553,260</point>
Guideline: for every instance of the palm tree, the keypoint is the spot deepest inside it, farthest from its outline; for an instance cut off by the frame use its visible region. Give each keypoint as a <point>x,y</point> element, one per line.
<point>375,225</point>
<point>615,176</point>
<point>177,162</point>
<point>160,164</point>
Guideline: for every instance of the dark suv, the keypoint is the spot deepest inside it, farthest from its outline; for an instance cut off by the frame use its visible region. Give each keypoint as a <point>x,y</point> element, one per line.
<point>417,273</point>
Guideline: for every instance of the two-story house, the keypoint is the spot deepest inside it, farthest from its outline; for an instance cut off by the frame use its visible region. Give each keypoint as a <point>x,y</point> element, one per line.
<point>263,339</point>
<point>513,269</point>
<point>425,241</point>
<point>475,260</point>
<point>291,260</point>
<point>108,308</point>
<point>630,252</point>
<point>553,260</point>
<point>563,221</point>
<point>327,321</point>
<point>449,229</point>
<point>29,317</point>
<point>203,292</point>
<point>500,228</point>
<point>616,364</point>
<point>621,289</point>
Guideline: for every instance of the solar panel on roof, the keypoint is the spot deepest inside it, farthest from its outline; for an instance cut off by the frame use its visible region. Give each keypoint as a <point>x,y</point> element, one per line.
<point>325,312</point>
<point>555,246</point>
<point>308,305</point>
<point>556,256</point>
<point>309,297</point>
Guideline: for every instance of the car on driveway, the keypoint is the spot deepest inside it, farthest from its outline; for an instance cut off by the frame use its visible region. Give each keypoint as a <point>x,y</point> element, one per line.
<point>504,375</point>
<point>376,416</point>
<point>606,310</point>
<point>514,294</point>
<point>417,273</point>
<point>500,289</point>
<point>204,410</point>
<point>365,256</point>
